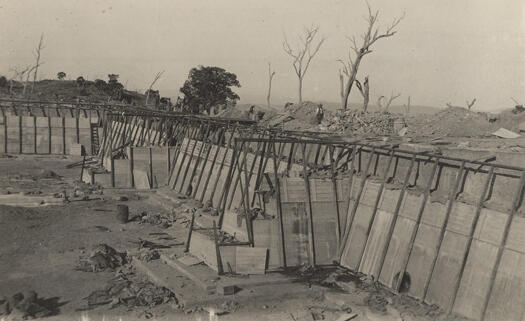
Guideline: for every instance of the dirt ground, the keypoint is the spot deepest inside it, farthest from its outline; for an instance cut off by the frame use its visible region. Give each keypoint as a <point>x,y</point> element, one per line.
<point>41,246</point>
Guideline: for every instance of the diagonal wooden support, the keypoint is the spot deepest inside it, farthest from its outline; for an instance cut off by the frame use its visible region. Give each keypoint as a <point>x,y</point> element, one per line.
<point>188,239</point>
<point>350,219</point>
<point>515,205</point>
<point>395,216</point>
<point>451,199</point>
<point>479,207</point>
<point>308,207</point>
<point>384,179</point>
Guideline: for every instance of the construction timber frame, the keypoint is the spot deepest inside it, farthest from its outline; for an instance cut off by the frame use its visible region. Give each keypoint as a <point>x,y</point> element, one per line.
<point>445,230</point>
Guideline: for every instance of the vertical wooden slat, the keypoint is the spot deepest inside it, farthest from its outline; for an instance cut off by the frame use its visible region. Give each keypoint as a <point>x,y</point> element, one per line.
<point>35,136</point>
<point>334,192</point>
<point>112,164</point>
<point>49,135</point>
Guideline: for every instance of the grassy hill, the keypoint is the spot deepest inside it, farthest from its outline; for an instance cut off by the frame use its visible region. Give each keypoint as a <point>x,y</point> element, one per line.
<point>66,90</point>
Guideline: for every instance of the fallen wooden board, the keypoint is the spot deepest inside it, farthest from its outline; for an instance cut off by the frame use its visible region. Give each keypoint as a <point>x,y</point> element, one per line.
<point>189,260</point>
<point>250,260</point>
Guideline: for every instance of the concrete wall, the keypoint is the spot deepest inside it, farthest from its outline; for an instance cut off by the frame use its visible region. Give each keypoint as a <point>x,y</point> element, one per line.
<point>44,135</point>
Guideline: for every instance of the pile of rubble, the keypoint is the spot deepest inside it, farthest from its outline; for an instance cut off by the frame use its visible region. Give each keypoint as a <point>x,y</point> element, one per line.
<point>103,257</point>
<point>130,290</point>
<point>358,121</point>
<point>23,306</point>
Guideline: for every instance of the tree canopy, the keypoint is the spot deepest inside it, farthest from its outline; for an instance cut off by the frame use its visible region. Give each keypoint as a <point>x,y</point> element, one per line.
<point>207,87</point>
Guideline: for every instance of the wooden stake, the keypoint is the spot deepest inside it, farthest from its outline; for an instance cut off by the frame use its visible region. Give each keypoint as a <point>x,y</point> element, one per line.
<point>334,191</point>
<point>131,174</point>
<point>217,250</point>
<point>112,163</point>
<point>188,239</point>
<point>150,165</point>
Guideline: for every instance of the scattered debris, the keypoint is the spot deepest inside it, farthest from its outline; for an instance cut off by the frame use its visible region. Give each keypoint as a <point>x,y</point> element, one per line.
<point>129,290</point>
<point>148,254</point>
<point>23,306</point>
<point>505,133</point>
<point>103,257</point>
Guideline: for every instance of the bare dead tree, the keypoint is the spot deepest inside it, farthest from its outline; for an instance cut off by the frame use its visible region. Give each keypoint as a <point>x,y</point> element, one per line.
<point>357,52</point>
<point>364,89</point>
<point>470,104</point>
<point>37,53</point>
<point>26,82</point>
<point>157,77</point>
<point>407,107</point>
<point>388,102</point>
<point>271,74</point>
<point>18,73</point>
<point>303,54</point>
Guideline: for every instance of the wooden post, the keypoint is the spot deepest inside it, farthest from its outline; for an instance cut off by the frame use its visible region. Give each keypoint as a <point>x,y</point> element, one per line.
<point>77,120</point>
<point>5,135</point>
<point>150,165</point>
<point>481,201</point>
<point>217,250</point>
<point>49,135</point>
<point>35,137</point>
<point>515,205</point>
<point>131,175</point>
<point>308,207</point>
<point>451,199</point>
<point>64,135</point>
<point>82,168</point>
<point>20,134</point>
<point>262,166</point>
<point>334,191</point>
<point>279,207</point>
<point>395,216</point>
<point>112,164</point>
<point>168,162</point>
<point>188,239</point>
<point>350,219</point>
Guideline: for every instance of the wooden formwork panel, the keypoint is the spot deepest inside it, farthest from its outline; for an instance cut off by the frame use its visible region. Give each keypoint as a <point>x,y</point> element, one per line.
<point>375,244</point>
<point>357,237</point>
<point>506,301</point>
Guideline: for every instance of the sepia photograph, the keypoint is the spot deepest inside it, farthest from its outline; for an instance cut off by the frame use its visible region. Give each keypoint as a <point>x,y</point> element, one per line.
<point>238,160</point>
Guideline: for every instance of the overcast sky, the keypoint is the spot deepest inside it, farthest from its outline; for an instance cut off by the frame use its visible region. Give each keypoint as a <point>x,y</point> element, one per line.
<point>444,51</point>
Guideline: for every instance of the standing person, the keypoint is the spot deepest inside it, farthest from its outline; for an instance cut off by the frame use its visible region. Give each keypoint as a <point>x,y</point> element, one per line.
<point>319,113</point>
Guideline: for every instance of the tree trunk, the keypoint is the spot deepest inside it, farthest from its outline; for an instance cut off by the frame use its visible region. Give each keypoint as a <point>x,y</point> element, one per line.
<point>351,80</point>
<point>300,90</point>
<point>366,94</point>
<point>342,90</point>
<point>269,91</point>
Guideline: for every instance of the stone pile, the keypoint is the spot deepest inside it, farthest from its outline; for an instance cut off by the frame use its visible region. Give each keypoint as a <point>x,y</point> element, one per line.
<point>358,121</point>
